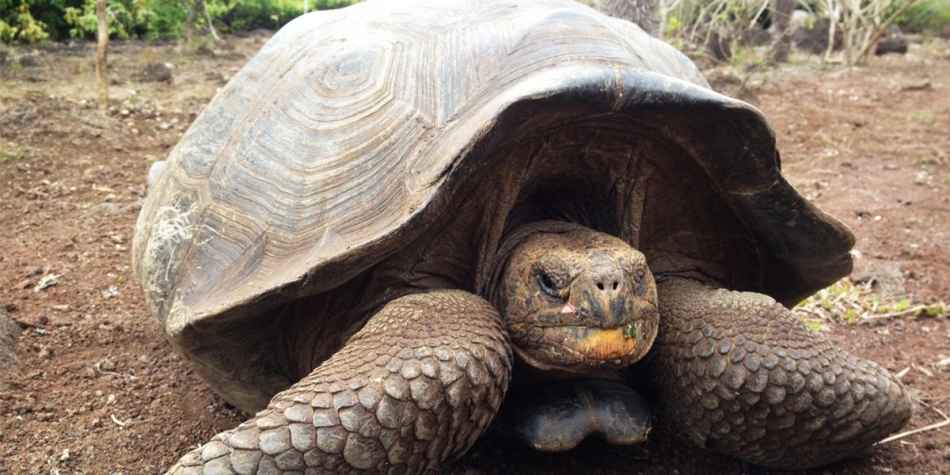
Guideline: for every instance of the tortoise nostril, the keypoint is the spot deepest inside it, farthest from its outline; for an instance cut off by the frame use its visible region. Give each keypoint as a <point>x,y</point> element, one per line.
<point>613,286</point>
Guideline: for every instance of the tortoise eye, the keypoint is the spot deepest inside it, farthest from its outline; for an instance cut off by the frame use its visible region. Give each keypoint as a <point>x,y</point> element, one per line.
<point>547,285</point>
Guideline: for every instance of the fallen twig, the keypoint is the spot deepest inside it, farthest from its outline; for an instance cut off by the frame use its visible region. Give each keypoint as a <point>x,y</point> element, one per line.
<point>117,421</point>
<point>901,313</point>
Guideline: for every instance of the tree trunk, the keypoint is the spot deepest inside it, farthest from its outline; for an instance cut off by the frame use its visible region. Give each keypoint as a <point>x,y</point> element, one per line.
<point>642,12</point>
<point>190,22</point>
<point>102,72</point>
<point>214,33</point>
<point>781,11</point>
<point>834,16</point>
<point>875,38</point>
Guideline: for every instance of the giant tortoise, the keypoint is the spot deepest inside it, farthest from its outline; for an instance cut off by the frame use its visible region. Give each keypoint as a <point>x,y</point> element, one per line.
<point>401,214</point>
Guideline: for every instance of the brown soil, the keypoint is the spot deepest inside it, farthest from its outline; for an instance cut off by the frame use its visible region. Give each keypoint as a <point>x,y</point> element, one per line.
<point>97,389</point>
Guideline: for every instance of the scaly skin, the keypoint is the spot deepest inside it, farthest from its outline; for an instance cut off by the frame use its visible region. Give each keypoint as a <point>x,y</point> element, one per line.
<point>743,376</point>
<point>423,379</point>
<point>415,387</point>
<point>581,305</point>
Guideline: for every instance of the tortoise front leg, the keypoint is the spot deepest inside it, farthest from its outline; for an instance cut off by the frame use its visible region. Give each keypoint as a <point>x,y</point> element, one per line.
<point>743,376</point>
<point>416,386</point>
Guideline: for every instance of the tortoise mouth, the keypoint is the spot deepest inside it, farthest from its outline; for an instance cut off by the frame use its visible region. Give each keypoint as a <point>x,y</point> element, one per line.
<point>577,348</point>
<point>611,344</point>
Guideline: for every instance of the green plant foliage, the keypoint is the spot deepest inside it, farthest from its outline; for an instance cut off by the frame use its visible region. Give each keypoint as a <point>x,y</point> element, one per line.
<point>7,32</point>
<point>928,16</point>
<point>7,155</point>
<point>150,19</point>
<point>845,301</point>
<point>712,22</point>
<point>34,20</point>
<point>245,15</point>
<point>165,19</point>
<point>672,25</point>
<point>18,24</point>
<point>10,152</point>
<point>50,12</point>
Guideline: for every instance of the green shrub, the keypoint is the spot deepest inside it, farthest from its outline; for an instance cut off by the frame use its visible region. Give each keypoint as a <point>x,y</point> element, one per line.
<point>245,15</point>
<point>51,13</point>
<point>165,19</point>
<point>928,16</point>
<point>152,19</point>
<point>7,32</point>
<point>34,20</point>
<point>18,23</point>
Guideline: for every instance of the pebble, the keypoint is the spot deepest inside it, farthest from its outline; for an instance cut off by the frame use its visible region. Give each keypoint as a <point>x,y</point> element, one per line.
<point>111,292</point>
<point>106,365</point>
<point>924,178</point>
<point>105,209</point>
<point>47,281</point>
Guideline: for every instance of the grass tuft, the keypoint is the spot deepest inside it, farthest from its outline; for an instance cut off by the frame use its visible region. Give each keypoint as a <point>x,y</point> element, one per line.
<point>854,304</point>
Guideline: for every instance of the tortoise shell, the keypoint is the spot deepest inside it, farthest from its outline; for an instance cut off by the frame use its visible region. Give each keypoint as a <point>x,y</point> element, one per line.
<point>358,133</point>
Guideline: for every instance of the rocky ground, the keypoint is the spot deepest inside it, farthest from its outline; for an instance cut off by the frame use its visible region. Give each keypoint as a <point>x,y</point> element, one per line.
<point>96,389</point>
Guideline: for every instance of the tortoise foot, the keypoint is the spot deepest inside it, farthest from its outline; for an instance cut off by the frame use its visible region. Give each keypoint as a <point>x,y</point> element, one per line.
<point>558,416</point>
<point>743,376</point>
<point>415,387</point>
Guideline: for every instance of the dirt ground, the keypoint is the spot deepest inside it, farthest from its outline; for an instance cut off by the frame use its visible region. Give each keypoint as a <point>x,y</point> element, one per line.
<point>96,389</point>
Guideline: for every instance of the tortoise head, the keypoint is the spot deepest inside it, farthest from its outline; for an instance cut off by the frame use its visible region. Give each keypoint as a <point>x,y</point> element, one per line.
<point>575,299</point>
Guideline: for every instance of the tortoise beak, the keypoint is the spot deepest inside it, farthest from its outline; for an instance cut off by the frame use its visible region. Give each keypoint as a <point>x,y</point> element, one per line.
<point>607,345</point>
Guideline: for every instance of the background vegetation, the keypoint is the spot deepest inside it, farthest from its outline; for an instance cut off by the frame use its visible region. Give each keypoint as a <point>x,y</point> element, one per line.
<point>30,21</point>
<point>857,26</point>
<point>929,17</point>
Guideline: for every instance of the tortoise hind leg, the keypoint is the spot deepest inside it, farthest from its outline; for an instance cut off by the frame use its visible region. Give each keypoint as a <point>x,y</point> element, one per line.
<point>416,386</point>
<point>743,376</point>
